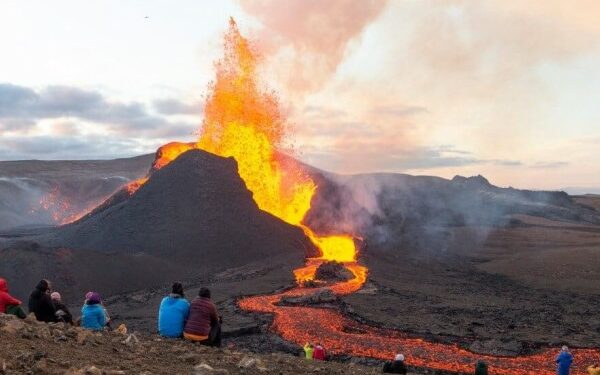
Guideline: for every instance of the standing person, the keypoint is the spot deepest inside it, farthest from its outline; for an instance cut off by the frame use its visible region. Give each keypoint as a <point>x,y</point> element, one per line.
<point>396,366</point>
<point>564,361</point>
<point>8,303</point>
<point>203,324</point>
<point>319,353</point>
<point>481,368</point>
<point>173,313</point>
<point>593,370</point>
<point>41,304</point>
<point>62,311</point>
<point>309,350</point>
<point>93,315</point>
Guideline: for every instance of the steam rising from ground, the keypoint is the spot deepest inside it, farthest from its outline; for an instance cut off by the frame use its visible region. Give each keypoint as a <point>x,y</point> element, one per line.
<point>395,211</point>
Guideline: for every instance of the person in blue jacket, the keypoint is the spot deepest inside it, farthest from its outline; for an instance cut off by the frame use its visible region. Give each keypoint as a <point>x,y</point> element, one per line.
<point>173,313</point>
<point>563,361</point>
<point>93,315</point>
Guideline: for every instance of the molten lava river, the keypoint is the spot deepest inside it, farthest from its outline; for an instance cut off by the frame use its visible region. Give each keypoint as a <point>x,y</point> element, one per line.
<point>341,335</point>
<point>243,120</point>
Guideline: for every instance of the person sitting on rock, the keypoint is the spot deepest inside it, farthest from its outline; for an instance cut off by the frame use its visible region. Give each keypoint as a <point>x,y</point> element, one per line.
<point>481,368</point>
<point>396,366</point>
<point>203,324</point>
<point>8,303</point>
<point>593,370</point>
<point>173,313</point>
<point>106,316</point>
<point>93,316</point>
<point>62,311</point>
<point>564,361</point>
<point>41,304</point>
<point>319,352</point>
<point>308,351</point>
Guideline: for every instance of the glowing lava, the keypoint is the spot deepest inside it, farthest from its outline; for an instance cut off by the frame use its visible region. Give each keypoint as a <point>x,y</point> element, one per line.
<point>61,208</point>
<point>341,335</point>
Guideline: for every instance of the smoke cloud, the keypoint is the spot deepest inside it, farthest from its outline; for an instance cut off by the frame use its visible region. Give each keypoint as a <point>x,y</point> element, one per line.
<point>310,37</point>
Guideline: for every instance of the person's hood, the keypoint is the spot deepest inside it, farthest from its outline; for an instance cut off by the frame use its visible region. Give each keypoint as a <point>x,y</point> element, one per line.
<point>173,299</point>
<point>3,285</point>
<point>42,286</point>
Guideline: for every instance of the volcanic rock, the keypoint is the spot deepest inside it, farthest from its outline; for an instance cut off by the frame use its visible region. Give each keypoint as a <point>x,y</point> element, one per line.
<point>497,347</point>
<point>333,271</point>
<point>321,296</point>
<point>155,356</point>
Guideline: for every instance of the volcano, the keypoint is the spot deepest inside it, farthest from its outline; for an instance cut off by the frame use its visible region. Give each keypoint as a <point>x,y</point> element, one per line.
<point>195,210</point>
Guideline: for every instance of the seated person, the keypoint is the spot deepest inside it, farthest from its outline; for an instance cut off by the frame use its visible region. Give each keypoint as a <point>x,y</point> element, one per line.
<point>173,313</point>
<point>62,311</point>
<point>93,315</point>
<point>203,324</point>
<point>8,303</point>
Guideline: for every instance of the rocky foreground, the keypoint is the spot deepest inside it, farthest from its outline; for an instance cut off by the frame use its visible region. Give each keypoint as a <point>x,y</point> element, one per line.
<point>30,347</point>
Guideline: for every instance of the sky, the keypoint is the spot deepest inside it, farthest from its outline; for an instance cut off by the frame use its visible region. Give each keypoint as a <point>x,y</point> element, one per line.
<point>506,89</point>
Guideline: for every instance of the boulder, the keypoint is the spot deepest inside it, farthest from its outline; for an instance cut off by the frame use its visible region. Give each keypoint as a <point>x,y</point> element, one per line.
<point>333,271</point>
<point>321,296</point>
<point>205,369</point>
<point>13,326</point>
<point>249,362</point>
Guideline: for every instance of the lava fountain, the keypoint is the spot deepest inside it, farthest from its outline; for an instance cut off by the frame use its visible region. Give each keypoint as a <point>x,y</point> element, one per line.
<point>243,120</point>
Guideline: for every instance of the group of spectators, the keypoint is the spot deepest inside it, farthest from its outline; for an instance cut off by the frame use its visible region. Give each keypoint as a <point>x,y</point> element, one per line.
<point>47,306</point>
<point>195,321</point>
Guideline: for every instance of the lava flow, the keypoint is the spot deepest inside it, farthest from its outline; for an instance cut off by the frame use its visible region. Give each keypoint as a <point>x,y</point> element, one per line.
<point>244,121</point>
<point>341,335</point>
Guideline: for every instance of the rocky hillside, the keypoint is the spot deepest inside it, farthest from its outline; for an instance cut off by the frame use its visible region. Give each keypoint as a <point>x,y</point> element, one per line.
<point>30,347</point>
<point>38,192</point>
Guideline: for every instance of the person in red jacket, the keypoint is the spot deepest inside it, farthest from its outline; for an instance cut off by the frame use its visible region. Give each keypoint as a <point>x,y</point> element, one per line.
<point>8,303</point>
<point>319,353</point>
<point>203,324</point>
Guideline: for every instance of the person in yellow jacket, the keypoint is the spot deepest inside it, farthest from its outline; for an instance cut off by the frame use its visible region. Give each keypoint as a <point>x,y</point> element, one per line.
<point>593,370</point>
<point>308,350</point>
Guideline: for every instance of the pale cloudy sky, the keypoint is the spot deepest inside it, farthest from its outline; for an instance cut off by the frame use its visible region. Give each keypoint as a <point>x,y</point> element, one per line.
<point>507,89</point>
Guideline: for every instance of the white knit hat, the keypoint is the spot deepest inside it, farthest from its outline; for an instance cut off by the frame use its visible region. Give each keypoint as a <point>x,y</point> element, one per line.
<point>399,357</point>
<point>55,296</point>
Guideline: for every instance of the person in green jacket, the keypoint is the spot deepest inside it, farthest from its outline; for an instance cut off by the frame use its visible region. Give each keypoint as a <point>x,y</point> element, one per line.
<point>308,350</point>
<point>481,368</point>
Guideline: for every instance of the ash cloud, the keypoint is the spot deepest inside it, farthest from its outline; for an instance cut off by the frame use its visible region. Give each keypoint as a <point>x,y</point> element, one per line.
<point>312,36</point>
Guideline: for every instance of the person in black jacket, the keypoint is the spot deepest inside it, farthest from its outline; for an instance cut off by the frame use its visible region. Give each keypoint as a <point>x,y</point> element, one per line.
<point>62,311</point>
<point>41,304</point>
<point>396,366</point>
